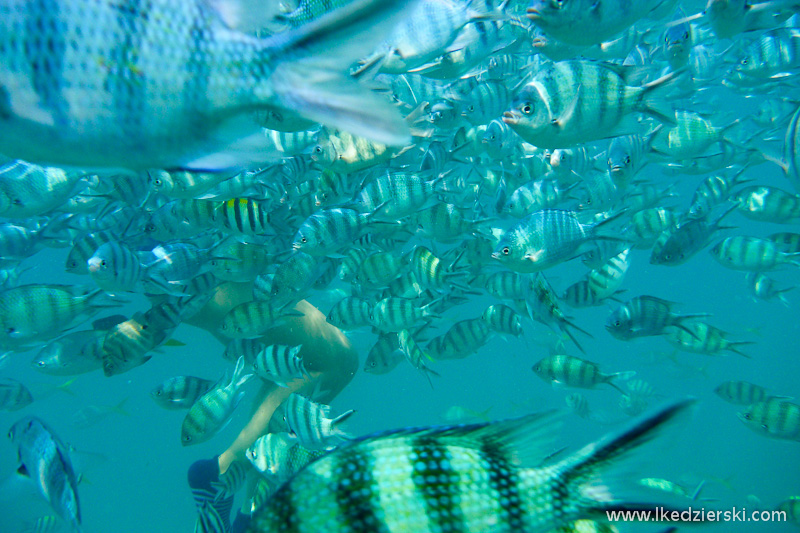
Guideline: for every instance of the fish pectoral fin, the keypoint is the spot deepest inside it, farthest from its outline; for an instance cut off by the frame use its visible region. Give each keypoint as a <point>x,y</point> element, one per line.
<point>569,111</point>
<point>332,99</point>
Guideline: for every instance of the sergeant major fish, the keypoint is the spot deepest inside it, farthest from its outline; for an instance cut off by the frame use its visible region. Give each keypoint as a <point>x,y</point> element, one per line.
<point>46,461</point>
<point>114,84</point>
<point>416,480</point>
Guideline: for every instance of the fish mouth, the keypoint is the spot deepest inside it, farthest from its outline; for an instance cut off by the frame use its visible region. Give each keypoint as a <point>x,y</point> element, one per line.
<point>296,246</point>
<point>495,255</point>
<point>511,118</point>
<point>616,168</point>
<point>534,14</point>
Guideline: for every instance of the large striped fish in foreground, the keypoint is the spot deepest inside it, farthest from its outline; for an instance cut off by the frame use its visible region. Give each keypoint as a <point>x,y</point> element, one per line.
<point>478,477</point>
<point>165,83</point>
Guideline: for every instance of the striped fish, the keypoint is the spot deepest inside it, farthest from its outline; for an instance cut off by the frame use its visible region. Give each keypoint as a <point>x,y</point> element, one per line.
<point>350,313</point>
<point>544,239</point>
<point>167,83</point>
<point>464,338</point>
<point>309,422</point>
<point>776,418</point>
<point>646,316</point>
<point>503,319</point>
<point>212,411</point>
<point>478,477</point>
<point>280,364</point>
<point>83,248</point>
<point>247,348</point>
<point>180,392</point>
<point>700,337</point>
<point>751,254</point>
<point>767,204</point>
<point>45,460</point>
<point>115,267</point>
<point>36,313</point>
<point>741,392</point>
<point>13,395</point>
<point>384,355</point>
<point>277,456</point>
<point>586,22</point>
<point>579,101</point>
<point>244,216</point>
<point>251,319</point>
<point>575,372</point>
<point>328,231</point>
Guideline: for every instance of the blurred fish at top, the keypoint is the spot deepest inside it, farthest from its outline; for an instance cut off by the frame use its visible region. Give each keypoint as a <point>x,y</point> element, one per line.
<point>121,84</point>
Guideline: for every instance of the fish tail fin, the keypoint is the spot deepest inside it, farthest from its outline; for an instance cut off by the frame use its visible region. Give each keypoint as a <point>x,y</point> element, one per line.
<point>654,101</point>
<point>120,407</point>
<point>733,347</point>
<point>595,480</point>
<point>312,77</point>
<point>622,376</point>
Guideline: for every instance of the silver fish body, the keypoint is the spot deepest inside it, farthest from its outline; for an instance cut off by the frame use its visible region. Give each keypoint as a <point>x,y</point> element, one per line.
<point>122,84</point>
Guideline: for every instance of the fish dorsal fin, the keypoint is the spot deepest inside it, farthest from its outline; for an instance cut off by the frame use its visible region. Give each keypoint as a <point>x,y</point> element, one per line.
<point>526,440</point>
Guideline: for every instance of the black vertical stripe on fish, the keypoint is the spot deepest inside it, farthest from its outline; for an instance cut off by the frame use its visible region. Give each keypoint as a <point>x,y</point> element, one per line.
<point>44,25</point>
<point>355,491</point>
<point>438,486</point>
<point>122,81</point>
<point>503,479</point>
<point>197,68</point>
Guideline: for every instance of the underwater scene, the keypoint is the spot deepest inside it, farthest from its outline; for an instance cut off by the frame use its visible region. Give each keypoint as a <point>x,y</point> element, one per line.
<point>399,266</point>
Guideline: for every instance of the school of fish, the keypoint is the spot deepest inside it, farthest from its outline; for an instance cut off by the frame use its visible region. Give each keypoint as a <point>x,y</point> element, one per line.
<point>429,173</point>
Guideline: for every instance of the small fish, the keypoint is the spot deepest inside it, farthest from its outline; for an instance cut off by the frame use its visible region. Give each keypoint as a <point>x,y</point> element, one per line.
<point>645,316</point>
<point>544,239</point>
<point>280,364</point>
<point>699,337</point>
<point>212,411</point>
<point>309,422</point>
<point>180,392</point>
<point>13,395</point>
<point>384,355</point>
<point>575,372</point>
<point>741,392</point>
<point>75,353</point>
<point>46,461</point>
<point>752,254</point>
<point>776,418</point>
<point>277,456</point>
<point>92,415</point>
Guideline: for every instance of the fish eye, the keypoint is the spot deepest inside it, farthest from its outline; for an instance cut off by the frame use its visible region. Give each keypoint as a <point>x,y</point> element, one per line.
<point>744,61</point>
<point>686,36</point>
<point>527,108</point>
<point>303,240</point>
<point>187,438</point>
<point>10,330</point>
<point>668,256</point>
<point>627,160</point>
<point>506,250</point>
<point>40,364</point>
<point>318,149</point>
<point>617,323</point>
